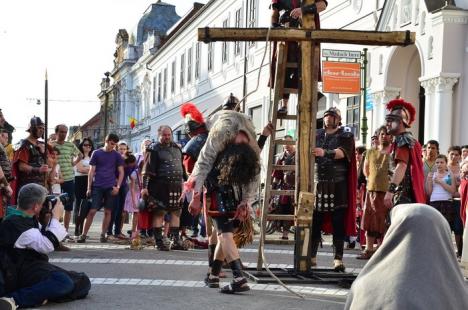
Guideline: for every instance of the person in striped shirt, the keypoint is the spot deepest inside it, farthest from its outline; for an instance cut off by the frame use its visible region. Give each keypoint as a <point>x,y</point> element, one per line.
<point>69,157</point>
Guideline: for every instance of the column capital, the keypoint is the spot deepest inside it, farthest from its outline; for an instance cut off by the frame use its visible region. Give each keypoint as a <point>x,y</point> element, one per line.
<point>385,95</point>
<point>442,83</point>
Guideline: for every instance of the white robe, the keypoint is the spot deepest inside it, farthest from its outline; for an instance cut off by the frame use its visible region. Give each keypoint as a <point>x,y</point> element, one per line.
<point>414,268</point>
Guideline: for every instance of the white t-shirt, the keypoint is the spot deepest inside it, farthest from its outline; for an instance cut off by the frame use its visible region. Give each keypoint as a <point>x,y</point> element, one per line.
<point>438,192</point>
<point>85,163</point>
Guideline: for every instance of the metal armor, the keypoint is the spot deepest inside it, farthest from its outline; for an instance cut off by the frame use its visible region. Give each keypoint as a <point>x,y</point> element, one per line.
<point>404,193</point>
<point>163,176</point>
<point>194,146</point>
<point>5,164</point>
<point>226,197</point>
<point>36,160</point>
<point>166,163</point>
<point>331,174</point>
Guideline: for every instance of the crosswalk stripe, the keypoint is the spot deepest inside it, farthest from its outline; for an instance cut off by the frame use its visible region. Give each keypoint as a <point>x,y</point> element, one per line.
<point>309,290</point>
<point>245,250</point>
<point>69,260</point>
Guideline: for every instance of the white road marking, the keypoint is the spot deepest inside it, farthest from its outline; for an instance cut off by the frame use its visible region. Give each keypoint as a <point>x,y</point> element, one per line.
<point>309,290</point>
<point>69,260</point>
<point>245,250</point>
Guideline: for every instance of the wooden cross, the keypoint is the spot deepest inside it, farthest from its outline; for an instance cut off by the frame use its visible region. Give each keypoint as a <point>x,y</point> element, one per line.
<point>308,37</point>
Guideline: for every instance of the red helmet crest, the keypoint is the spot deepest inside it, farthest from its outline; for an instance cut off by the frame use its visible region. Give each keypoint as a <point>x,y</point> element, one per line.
<point>405,109</point>
<point>190,109</point>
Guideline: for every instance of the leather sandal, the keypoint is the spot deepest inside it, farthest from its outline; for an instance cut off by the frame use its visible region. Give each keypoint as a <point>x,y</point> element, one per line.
<point>211,282</point>
<point>235,287</point>
<point>313,262</point>
<point>338,265</point>
<point>366,254</point>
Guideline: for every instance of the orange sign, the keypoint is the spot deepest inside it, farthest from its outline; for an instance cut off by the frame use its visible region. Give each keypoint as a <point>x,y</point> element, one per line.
<point>341,77</point>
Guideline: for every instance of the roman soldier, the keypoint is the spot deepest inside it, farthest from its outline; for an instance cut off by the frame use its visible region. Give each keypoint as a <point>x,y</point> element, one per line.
<point>407,182</point>
<point>30,160</point>
<point>196,129</point>
<point>163,175</point>
<point>336,179</point>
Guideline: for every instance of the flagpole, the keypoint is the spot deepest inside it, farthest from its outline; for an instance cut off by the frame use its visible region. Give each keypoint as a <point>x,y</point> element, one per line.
<point>46,107</point>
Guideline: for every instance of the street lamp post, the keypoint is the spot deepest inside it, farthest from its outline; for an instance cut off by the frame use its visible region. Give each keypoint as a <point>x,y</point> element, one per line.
<point>46,106</point>
<point>106,102</point>
<point>364,127</point>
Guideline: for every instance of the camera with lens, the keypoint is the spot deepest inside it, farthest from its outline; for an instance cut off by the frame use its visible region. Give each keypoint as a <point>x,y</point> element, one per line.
<point>51,201</point>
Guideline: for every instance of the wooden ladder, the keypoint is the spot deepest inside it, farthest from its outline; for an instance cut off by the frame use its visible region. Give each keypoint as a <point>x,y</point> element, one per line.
<point>279,90</point>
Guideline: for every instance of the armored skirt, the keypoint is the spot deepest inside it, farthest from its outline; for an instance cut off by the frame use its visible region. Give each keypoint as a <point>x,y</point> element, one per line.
<point>166,196</point>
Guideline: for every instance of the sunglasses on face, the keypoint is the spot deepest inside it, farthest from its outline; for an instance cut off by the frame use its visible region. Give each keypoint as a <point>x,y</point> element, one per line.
<point>86,144</point>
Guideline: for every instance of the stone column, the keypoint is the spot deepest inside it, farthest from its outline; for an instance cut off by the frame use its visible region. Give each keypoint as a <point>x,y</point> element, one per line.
<point>429,89</point>
<point>439,108</point>
<point>381,98</point>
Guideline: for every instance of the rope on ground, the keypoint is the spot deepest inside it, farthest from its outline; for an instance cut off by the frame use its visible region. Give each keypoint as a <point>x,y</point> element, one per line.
<point>265,264</point>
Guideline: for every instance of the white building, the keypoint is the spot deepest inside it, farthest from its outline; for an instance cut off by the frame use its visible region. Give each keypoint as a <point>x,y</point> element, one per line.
<point>156,73</point>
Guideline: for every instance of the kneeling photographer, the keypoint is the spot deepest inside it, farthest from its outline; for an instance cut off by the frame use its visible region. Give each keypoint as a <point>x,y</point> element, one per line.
<point>27,279</point>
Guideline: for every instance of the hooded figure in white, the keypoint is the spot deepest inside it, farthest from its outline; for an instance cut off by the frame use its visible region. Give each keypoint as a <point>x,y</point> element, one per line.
<point>414,268</point>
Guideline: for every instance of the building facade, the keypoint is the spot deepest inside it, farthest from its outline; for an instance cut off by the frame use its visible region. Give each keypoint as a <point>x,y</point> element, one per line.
<point>160,66</point>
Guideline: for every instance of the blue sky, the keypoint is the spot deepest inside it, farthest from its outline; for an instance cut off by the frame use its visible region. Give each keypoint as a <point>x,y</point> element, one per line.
<point>74,40</point>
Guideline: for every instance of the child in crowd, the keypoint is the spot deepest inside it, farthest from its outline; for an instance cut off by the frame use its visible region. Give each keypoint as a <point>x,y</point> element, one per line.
<point>133,195</point>
<point>441,187</point>
<point>55,176</point>
<point>454,156</point>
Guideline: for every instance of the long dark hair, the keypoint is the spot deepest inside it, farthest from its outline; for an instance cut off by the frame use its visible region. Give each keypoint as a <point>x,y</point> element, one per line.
<point>238,165</point>
<point>80,147</point>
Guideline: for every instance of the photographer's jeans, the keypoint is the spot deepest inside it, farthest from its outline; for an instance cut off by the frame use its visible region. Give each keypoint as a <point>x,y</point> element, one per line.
<point>56,286</point>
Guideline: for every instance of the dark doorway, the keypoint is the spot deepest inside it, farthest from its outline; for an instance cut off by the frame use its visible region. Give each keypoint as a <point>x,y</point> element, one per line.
<point>422,108</point>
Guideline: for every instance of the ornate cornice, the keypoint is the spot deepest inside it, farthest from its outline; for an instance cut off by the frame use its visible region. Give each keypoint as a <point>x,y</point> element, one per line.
<point>450,17</point>
<point>385,95</point>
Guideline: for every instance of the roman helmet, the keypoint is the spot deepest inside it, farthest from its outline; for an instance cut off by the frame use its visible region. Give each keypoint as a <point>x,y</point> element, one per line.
<point>193,118</point>
<point>231,102</point>
<point>400,110</point>
<point>34,123</point>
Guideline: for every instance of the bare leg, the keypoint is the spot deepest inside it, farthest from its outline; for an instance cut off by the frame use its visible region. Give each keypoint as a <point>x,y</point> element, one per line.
<point>229,247</point>
<point>66,219</point>
<point>134,225</point>
<point>89,221</point>
<point>106,221</point>
<point>370,242</point>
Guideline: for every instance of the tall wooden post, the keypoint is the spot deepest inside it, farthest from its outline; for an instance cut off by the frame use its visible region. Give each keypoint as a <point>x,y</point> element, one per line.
<point>306,123</point>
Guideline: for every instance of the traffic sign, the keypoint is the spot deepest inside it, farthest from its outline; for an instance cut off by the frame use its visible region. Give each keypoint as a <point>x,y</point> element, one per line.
<point>341,54</point>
